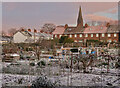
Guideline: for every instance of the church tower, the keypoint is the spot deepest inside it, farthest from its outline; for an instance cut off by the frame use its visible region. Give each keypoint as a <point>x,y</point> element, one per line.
<point>80,19</point>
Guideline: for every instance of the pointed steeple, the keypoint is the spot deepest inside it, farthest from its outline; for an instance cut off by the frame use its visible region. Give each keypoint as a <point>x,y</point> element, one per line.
<point>80,19</point>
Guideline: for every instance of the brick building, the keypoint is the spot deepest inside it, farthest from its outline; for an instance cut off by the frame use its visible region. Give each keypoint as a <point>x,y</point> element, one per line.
<point>80,33</point>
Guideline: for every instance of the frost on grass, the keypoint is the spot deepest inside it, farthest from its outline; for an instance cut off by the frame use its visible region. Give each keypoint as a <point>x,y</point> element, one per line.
<point>43,82</point>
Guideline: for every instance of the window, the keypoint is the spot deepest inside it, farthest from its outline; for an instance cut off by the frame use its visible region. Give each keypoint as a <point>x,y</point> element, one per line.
<point>115,40</point>
<point>80,41</point>
<point>103,35</point>
<point>86,35</point>
<point>90,29</point>
<point>109,35</point>
<point>55,36</point>
<point>75,41</point>
<point>69,29</point>
<point>109,41</point>
<point>70,36</point>
<point>97,35</point>
<point>91,35</point>
<point>75,35</point>
<point>80,35</point>
<point>115,35</point>
<point>60,36</point>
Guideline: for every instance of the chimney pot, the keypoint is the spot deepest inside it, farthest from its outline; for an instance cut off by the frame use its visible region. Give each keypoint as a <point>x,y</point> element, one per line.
<point>66,25</point>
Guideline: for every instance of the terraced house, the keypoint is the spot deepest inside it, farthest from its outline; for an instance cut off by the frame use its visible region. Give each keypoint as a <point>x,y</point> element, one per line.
<point>28,36</point>
<point>82,33</point>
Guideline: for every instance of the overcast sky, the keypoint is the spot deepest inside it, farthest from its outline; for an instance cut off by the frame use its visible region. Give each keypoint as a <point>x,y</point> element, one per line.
<point>35,14</point>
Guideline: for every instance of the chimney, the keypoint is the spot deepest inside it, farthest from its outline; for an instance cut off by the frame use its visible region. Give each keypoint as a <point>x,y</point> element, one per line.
<point>22,30</point>
<point>35,31</point>
<point>86,25</point>
<point>108,24</point>
<point>51,33</point>
<point>41,31</point>
<point>29,30</point>
<point>66,25</point>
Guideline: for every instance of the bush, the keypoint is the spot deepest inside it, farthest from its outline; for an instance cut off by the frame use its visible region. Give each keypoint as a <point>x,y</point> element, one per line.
<point>38,64</point>
<point>117,65</point>
<point>43,82</point>
<point>21,57</point>
<point>41,63</point>
<point>49,64</point>
<point>104,63</point>
<point>32,64</point>
<point>27,49</point>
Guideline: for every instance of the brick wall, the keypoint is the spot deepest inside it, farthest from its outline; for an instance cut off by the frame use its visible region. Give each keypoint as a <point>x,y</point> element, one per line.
<point>100,38</point>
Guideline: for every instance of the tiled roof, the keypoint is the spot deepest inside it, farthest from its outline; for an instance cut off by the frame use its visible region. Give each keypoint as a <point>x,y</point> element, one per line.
<point>38,34</point>
<point>72,30</point>
<point>59,30</point>
<point>96,29</point>
<point>29,40</point>
<point>25,33</point>
<point>113,29</point>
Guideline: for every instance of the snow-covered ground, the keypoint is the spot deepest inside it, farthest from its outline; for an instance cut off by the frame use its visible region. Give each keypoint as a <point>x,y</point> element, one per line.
<point>66,78</point>
<point>0,74</point>
<point>80,79</point>
<point>74,79</point>
<point>13,79</point>
<point>0,80</point>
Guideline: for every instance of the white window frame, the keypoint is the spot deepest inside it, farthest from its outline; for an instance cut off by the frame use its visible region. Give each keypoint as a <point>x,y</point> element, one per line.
<point>55,36</point>
<point>75,35</point>
<point>97,35</point>
<point>110,40</point>
<point>115,40</point>
<point>80,41</point>
<point>60,36</point>
<point>103,35</point>
<point>115,35</point>
<point>86,35</point>
<point>80,35</point>
<point>75,41</point>
<point>91,35</point>
<point>70,36</point>
<point>109,35</point>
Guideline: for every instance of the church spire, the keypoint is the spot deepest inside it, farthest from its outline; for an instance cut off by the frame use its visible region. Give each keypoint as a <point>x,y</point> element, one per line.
<point>80,19</point>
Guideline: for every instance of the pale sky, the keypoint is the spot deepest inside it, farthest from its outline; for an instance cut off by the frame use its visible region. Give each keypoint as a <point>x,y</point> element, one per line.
<point>35,14</point>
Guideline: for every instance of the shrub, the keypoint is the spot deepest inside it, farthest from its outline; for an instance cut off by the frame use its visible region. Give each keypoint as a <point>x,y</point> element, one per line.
<point>49,64</point>
<point>43,82</point>
<point>104,63</point>
<point>21,57</point>
<point>32,64</point>
<point>27,49</point>
<point>27,56</point>
<point>38,64</point>
<point>41,63</point>
<point>117,65</point>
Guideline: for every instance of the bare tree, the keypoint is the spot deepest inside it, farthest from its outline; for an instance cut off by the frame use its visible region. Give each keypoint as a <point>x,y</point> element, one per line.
<point>12,31</point>
<point>3,33</point>
<point>86,60</point>
<point>39,46</point>
<point>48,27</point>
